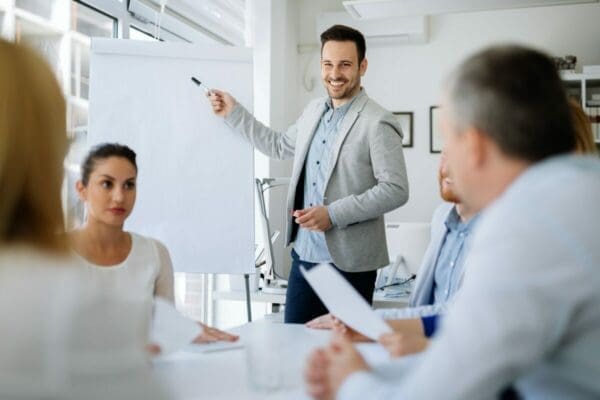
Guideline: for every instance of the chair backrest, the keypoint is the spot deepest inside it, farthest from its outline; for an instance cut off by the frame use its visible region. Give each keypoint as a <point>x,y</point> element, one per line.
<point>267,236</point>
<point>409,239</point>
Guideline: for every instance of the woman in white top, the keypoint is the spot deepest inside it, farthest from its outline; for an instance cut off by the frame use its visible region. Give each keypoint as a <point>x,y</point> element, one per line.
<point>118,260</point>
<point>59,338</point>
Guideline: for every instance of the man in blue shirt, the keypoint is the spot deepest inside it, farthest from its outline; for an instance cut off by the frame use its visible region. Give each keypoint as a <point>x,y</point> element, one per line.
<point>348,171</point>
<point>438,279</point>
<point>439,276</point>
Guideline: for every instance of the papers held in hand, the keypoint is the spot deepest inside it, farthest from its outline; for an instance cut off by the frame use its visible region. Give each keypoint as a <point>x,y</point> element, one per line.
<point>343,301</point>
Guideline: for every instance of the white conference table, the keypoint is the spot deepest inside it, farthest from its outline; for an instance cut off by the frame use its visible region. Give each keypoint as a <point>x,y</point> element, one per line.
<point>223,374</point>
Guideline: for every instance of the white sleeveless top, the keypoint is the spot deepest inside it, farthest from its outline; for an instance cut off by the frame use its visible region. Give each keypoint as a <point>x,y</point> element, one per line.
<point>62,338</point>
<point>146,271</point>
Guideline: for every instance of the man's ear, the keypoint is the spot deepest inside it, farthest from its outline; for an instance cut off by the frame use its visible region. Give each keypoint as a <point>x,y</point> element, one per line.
<point>363,66</point>
<point>81,190</point>
<point>478,144</point>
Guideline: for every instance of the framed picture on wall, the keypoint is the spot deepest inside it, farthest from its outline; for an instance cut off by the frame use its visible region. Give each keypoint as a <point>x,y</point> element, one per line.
<point>436,141</point>
<point>405,119</point>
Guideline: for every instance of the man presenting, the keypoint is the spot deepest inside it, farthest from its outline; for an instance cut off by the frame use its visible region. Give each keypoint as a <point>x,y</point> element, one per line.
<point>348,171</point>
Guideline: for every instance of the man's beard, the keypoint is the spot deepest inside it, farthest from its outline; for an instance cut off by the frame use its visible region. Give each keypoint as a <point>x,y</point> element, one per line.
<point>447,194</point>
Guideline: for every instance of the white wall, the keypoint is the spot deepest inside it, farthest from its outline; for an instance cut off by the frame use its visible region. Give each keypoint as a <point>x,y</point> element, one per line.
<point>408,77</point>
<point>284,111</point>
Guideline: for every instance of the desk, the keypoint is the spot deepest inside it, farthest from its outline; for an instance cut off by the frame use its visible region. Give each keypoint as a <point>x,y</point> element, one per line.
<point>379,301</point>
<point>223,375</point>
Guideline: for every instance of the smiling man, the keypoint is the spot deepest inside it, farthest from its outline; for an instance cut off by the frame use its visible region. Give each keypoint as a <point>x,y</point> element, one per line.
<point>348,171</point>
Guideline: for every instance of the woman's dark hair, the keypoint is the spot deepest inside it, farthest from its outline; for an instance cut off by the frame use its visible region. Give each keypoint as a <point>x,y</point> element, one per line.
<point>101,152</point>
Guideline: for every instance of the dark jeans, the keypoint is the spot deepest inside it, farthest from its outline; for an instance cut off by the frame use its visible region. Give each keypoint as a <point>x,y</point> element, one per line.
<point>302,304</point>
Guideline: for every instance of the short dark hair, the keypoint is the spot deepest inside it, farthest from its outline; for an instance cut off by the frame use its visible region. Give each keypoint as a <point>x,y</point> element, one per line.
<point>343,33</point>
<point>101,152</point>
<point>514,95</point>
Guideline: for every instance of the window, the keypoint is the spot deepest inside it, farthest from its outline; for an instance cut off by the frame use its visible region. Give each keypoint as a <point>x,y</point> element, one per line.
<point>138,34</point>
<point>42,8</point>
<point>91,22</point>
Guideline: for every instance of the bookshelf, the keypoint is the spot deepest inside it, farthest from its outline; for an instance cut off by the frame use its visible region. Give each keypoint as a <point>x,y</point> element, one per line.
<point>585,88</point>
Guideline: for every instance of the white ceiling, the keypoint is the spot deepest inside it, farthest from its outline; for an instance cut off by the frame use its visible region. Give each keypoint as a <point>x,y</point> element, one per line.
<point>224,18</point>
<point>371,9</point>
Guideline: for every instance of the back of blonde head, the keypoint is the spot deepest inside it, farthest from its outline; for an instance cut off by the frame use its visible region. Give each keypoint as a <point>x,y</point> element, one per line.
<point>32,147</point>
<point>584,137</point>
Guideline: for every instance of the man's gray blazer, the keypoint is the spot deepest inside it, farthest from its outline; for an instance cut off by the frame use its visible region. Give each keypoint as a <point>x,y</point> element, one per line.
<point>366,180</point>
<point>423,290</point>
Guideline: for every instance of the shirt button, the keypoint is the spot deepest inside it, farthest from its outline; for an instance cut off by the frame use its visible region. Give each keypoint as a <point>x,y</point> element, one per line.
<point>310,205</point>
<point>314,183</point>
<point>461,234</point>
<point>446,292</point>
<point>452,263</point>
<point>323,141</point>
<point>318,162</point>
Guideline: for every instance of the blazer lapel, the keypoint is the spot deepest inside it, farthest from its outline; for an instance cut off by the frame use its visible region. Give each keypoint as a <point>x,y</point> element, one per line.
<point>304,141</point>
<point>423,289</point>
<point>347,123</point>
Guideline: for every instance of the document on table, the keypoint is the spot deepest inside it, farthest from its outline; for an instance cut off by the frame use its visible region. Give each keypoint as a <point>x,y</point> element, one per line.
<point>171,330</point>
<point>213,347</point>
<point>343,301</point>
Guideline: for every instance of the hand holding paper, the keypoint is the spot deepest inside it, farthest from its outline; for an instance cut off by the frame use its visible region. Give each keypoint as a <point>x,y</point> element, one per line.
<point>342,300</point>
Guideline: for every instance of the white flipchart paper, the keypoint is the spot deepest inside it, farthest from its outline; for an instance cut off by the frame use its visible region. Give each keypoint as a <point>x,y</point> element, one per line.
<point>342,300</point>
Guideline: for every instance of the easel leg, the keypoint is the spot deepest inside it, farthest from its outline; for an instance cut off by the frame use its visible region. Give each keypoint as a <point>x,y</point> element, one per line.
<point>248,304</point>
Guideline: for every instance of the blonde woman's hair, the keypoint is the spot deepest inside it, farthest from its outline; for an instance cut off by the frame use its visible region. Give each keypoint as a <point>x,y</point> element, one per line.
<point>33,143</point>
<point>584,138</point>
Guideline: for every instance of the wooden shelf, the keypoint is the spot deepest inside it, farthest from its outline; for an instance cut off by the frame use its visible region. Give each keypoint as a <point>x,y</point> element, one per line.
<point>571,76</point>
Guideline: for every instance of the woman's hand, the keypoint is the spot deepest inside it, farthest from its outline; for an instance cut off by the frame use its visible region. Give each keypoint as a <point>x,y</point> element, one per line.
<point>347,332</point>
<point>209,335</point>
<point>325,321</point>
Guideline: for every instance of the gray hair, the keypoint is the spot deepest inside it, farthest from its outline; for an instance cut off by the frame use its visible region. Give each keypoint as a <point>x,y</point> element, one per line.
<point>514,95</point>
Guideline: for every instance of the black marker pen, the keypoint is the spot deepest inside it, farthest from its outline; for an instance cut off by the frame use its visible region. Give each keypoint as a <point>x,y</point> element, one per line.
<point>202,85</point>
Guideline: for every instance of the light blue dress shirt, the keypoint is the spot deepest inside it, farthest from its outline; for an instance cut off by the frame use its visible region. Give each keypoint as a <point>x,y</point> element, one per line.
<point>528,312</point>
<point>311,245</point>
<point>451,258</point>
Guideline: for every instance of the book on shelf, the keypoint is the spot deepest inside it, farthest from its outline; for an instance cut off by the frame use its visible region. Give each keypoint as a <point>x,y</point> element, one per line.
<point>591,69</point>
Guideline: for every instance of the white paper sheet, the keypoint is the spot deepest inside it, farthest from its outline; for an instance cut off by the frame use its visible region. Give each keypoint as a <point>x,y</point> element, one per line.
<point>171,330</point>
<point>213,347</point>
<point>342,300</point>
